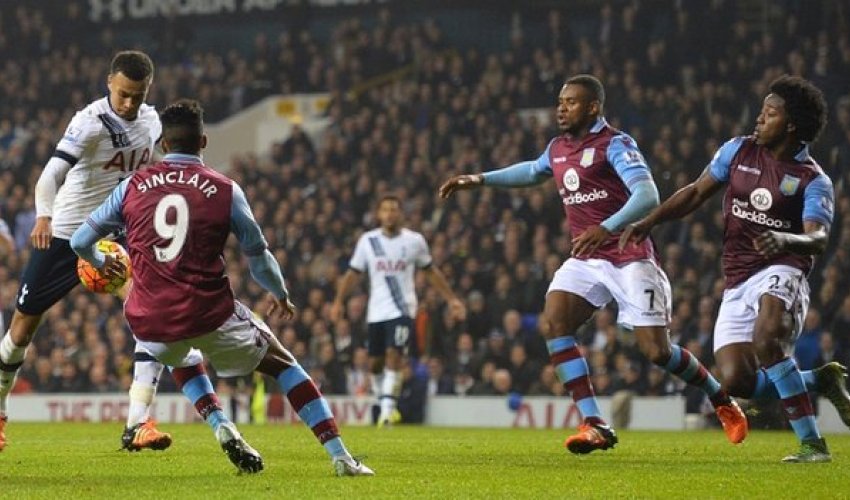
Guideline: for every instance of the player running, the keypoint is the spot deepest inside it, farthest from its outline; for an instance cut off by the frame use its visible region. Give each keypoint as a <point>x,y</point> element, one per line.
<point>778,210</point>
<point>391,254</point>
<point>604,183</point>
<point>103,144</point>
<point>178,215</point>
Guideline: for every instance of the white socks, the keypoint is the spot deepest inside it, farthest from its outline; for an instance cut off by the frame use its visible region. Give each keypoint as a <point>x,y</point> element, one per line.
<point>145,379</point>
<point>389,392</point>
<point>10,354</point>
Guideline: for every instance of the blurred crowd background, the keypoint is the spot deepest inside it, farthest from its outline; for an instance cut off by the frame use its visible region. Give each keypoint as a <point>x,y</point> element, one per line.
<point>415,99</point>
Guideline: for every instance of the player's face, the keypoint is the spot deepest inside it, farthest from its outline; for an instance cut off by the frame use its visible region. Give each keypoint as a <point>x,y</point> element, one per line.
<point>389,215</point>
<point>576,109</point>
<point>126,95</point>
<point>772,122</point>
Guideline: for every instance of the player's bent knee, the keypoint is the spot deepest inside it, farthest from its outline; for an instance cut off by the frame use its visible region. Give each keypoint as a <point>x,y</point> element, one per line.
<point>767,344</point>
<point>656,354</point>
<point>557,328</point>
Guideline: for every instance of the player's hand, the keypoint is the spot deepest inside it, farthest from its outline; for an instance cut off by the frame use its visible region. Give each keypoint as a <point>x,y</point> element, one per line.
<point>283,308</point>
<point>770,243</point>
<point>588,241</point>
<point>336,311</point>
<point>460,183</point>
<point>635,234</point>
<point>113,267</point>
<point>457,309</point>
<point>42,233</point>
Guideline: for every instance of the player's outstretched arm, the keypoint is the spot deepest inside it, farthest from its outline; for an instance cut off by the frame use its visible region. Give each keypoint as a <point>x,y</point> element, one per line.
<point>683,202</point>
<point>460,183</point>
<point>438,281</point>
<point>526,173</point>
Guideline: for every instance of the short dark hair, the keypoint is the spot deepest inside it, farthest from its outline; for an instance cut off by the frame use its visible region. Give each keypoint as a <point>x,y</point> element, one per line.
<point>592,84</point>
<point>134,64</point>
<point>388,197</point>
<point>183,126</point>
<point>804,103</point>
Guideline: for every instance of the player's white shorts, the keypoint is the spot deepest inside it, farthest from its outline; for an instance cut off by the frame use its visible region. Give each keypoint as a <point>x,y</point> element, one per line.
<point>640,288</point>
<point>736,320</point>
<point>234,349</point>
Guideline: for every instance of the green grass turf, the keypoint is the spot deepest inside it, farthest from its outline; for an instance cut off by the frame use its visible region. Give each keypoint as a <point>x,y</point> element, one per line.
<point>81,461</point>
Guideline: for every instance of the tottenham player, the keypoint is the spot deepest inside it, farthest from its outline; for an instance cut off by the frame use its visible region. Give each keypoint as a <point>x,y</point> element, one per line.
<point>104,143</point>
<point>178,215</point>
<point>778,209</point>
<point>604,183</point>
<point>391,254</point>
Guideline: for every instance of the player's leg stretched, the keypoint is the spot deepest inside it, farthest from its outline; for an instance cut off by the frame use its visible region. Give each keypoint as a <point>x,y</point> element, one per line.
<point>678,361</point>
<point>311,407</point>
<point>390,388</point>
<point>13,348</point>
<point>768,338</point>
<point>196,385</point>
<point>564,313</point>
<point>376,377</point>
<point>140,431</point>
<point>827,380</point>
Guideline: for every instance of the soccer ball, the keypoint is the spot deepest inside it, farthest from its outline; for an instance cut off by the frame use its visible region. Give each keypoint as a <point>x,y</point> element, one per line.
<point>91,277</point>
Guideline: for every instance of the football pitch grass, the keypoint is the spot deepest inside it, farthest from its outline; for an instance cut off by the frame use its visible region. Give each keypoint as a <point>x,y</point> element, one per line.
<point>81,461</point>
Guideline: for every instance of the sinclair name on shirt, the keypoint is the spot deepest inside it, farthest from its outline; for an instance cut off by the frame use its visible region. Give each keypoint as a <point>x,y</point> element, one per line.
<point>178,177</point>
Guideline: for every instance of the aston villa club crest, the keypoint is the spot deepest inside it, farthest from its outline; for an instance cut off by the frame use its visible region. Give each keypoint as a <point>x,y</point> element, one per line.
<point>587,157</point>
<point>789,185</point>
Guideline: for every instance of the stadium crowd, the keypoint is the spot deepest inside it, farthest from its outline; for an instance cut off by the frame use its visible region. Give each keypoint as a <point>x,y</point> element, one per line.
<point>694,79</point>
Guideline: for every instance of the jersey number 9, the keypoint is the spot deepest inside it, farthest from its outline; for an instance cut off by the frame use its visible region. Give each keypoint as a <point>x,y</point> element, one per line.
<point>175,232</point>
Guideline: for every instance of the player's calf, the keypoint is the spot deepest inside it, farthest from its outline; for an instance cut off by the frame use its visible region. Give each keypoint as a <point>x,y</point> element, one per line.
<point>314,411</point>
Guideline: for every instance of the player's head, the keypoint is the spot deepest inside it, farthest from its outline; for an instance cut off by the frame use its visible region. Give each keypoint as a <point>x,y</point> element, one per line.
<point>389,212</point>
<point>130,77</point>
<point>794,109</point>
<point>183,127</point>
<point>580,103</point>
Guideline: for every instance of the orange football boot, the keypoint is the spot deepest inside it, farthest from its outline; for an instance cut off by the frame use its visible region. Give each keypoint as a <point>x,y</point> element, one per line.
<point>591,437</point>
<point>145,435</point>
<point>733,420</point>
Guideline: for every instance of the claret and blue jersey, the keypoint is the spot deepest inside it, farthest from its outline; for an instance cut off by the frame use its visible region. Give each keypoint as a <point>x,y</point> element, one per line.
<point>595,176</point>
<point>178,215</point>
<point>764,194</point>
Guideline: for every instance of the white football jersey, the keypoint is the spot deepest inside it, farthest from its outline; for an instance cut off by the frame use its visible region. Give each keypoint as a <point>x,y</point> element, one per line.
<point>391,263</point>
<point>103,149</point>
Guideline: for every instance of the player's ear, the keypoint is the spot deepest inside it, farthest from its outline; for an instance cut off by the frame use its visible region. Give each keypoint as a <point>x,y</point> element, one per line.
<point>790,127</point>
<point>203,141</point>
<point>163,144</point>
